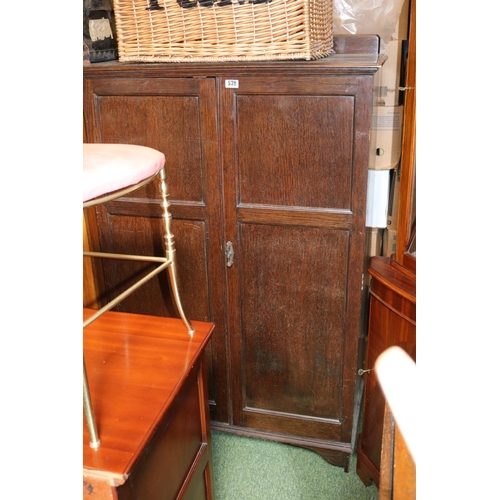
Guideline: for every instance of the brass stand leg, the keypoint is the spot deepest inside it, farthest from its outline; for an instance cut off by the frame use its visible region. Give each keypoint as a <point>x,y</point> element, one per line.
<point>89,412</point>
<point>172,275</point>
<point>170,251</point>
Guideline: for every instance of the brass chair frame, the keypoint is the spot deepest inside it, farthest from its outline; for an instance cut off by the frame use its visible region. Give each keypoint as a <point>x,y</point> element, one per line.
<point>168,262</point>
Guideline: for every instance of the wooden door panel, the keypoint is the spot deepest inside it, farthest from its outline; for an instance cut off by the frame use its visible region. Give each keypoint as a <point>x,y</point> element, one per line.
<point>290,150</point>
<point>170,124</point>
<point>144,235</point>
<point>292,316</point>
<point>174,115</point>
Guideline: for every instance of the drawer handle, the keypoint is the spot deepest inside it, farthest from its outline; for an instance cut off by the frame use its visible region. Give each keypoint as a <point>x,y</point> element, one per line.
<point>229,254</point>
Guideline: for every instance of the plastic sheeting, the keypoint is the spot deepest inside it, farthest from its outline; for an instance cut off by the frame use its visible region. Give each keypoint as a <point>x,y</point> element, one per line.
<point>367,17</point>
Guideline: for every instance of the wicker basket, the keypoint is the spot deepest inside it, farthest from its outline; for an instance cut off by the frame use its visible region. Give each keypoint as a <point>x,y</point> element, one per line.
<point>223,30</point>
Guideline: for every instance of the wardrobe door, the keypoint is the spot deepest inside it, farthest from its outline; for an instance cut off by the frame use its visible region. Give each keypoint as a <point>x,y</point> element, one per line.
<point>295,157</point>
<point>177,116</point>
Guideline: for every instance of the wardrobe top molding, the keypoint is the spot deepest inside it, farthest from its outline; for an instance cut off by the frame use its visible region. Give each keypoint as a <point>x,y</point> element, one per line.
<point>354,54</point>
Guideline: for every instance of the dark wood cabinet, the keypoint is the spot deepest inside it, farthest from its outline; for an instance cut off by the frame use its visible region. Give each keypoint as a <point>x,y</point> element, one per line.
<point>267,166</point>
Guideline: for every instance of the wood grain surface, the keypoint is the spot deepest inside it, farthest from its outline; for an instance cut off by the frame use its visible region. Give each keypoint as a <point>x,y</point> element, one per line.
<point>136,365</point>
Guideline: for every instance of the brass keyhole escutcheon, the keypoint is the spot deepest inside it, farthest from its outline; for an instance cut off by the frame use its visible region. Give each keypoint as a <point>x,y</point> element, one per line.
<point>229,254</point>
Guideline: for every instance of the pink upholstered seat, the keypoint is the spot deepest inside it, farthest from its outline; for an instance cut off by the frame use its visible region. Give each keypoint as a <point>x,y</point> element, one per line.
<point>109,167</point>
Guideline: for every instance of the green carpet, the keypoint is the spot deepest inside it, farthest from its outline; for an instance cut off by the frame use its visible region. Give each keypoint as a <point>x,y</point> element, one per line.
<point>253,469</point>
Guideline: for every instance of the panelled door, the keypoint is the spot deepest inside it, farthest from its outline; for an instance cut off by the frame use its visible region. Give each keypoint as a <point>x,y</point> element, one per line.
<point>294,197</point>
<point>177,116</point>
